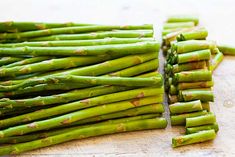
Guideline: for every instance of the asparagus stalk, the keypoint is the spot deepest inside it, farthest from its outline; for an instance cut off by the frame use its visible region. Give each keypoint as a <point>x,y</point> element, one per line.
<point>75,116</point>
<point>227,49</point>
<point>172,30</point>
<point>192,76</point>
<point>184,107</point>
<point>200,120</point>
<point>40,135</point>
<point>195,56</point>
<point>178,25</point>
<point>196,129</point>
<point>98,35</point>
<point>102,68</point>
<point>192,85</point>
<point>85,103</point>
<point>183,18</point>
<point>217,60</point>
<point>8,60</point>
<point>63,43</point>
<point>201,136</point>
<point>113,50</point>
<point>127,81</point>
<point>69,30</point>
<point>196,34</point>
<point>192,45</point>
<point>188,66</point>
<point>52,64</point>
<point>181,118</point>
<point>13,27</point>
<point>84,133</point>
<point>203,94</point>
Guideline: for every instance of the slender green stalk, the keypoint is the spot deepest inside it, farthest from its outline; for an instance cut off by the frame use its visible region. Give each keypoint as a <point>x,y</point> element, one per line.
<point>203,94</point>
<point>181,118</point>
<point>178,25</point>
<point>8,60</point>
<point>198,137</point>
<point>40,135</point>
<point>196,129</point>
<point>196,34</point>
<point>200,120</point>
<point>189,66</point>
<point>82,104</point>
<point>75,116</point>
<point>192,85</point>
<point>85,133</point>
<point>92,42</point>
<point>98,35</point>
<point>173,30</point>
<point>184,107</point>
<point>183,18</point>
<point>13,26</point>
<point>227,49</point>
<point>113,50</point>
<point>217,60</point>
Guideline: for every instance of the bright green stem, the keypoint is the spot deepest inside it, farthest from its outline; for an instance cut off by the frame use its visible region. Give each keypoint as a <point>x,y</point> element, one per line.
<point>183,18</point>
<point>113,50</point>
<point>173,30</point>
<point>178,25</point>
<point>203,94</point>
<point>181,118</point>
<point>13,26</point>
<point>192,85</point>
<point>192,45</point>
<point>52,64</point>
<point>8,60</point>
<point>198,137</point>
<point>217,60</point>
<point>192,76</point>
<point>200,120</point>
<point>70,30</point>
<point>196,34</point>
<point>184,107</point>
<point>76,116</point>
<point>196,129</point>
<point>188,66</point>
<point>227,49</point>
<point>85,133</point>
<point>92,42</point>
<point>98,35</point>
<point>85,103</point>
<point>40,135</point>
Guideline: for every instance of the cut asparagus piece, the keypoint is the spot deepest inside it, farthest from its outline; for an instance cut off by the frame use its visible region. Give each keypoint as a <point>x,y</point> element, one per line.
<point>196,34</point>
<point>178,25</point>
<point>8,60</point>
<point>203,94</point>
<point>196,129</point>
<point>183,18</point>
<point>184,107</point>
<point>227,49</point>
<point>198,137</point>
<point>217,60</point>
<point>200,120</point>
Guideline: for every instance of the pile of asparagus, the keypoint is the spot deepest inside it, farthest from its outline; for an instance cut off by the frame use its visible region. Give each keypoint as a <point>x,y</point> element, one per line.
<point>188,78</point>
<point>61,82</point>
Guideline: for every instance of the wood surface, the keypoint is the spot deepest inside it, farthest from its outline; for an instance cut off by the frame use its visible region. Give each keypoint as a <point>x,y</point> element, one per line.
<point>216,15</point>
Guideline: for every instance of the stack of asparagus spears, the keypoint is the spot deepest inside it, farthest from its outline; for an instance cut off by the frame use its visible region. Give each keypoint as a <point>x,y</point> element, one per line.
<point>188,78</point>
<point>61,82</point>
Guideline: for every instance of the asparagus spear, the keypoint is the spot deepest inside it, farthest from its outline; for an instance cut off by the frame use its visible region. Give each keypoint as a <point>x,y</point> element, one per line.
<point>181,118</point>
<point>52,64</point>
<point>200,120</point>
<point>85,103</point>
<point>84,133</point>
<point>98,35</point>
<point>192,45</point>
<point>102,68</point>
<point>227,49</point>
<point>188,66</point>
<point>75,116</point>
<point>63,43</point>
<point>172,30</point>
<point>196,129</point>
<point>192,85</point>
<point>40,135</point>
<point>113,50</point>
<point>127,81</point>
<point>8,60</point>
<point>12,26</point>
<point>192,76</point>
<point>178,25</point>
<point>183,18</point>
<point>184,107</point>
<point>201,136</point>
<point>70,30</point>
<point>216,60</point>
<point>196,34</point>
<point>203,94</point>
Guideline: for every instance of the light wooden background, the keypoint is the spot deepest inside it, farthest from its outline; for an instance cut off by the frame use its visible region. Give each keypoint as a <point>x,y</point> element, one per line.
<point>216,15</point>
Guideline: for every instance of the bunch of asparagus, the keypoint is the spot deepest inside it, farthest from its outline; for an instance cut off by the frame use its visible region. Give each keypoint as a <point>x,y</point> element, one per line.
<point>188,78</point>
<point>61,82</point>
